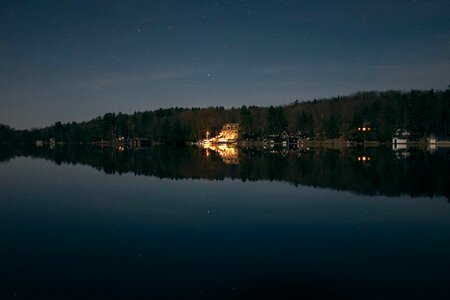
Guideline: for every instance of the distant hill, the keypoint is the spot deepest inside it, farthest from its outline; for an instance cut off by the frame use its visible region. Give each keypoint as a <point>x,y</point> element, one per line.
<point>422,112</point>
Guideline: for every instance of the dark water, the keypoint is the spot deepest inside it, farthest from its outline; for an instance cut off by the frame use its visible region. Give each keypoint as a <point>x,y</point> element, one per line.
<point>248,224</point>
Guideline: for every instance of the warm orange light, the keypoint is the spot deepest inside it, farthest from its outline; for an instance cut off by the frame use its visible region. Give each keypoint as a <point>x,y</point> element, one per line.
<point>364,158</point>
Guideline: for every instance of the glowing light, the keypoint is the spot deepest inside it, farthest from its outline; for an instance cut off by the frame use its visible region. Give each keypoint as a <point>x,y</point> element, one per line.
<point>228,153</point>
<point>364,158</point>
<point>228,134</point>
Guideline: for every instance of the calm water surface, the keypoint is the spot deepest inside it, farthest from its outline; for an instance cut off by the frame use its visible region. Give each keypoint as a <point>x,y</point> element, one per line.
<point>152,224</point>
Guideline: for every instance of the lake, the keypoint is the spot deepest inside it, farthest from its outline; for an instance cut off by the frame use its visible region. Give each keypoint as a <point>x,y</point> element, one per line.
<point>222,222</point>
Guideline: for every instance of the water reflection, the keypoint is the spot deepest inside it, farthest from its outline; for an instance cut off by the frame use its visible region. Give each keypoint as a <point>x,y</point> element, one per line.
<point>68,230</point>
<point>228,152</point>
<point>368,171</point>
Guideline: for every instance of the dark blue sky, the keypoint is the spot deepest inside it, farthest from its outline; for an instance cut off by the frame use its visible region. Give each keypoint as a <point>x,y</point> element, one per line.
<point>74,60</point>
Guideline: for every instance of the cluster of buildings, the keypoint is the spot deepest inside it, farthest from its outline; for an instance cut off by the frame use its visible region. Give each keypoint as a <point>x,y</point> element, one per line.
<point>51,142</point>
<point>402,137</point>
<point>228,135</point>
<point>285,139</point>
<point>121,142</point>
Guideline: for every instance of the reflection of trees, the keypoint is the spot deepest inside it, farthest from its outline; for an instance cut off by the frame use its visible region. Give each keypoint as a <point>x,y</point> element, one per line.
<point>418,174</point>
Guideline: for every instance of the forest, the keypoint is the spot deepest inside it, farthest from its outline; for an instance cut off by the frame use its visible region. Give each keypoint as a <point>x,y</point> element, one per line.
<point>420,111</point>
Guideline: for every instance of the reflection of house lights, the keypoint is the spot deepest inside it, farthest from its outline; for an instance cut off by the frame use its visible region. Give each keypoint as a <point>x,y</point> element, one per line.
<point>228,154</point>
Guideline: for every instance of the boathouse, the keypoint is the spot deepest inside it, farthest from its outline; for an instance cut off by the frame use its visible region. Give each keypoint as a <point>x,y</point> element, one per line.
<point>401,136</point>
<point>438,139</point>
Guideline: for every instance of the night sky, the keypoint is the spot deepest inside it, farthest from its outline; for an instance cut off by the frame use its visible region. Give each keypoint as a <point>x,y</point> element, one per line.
<point>75,60</point>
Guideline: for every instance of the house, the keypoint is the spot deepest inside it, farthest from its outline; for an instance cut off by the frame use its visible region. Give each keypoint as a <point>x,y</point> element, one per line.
<point>228,134</point>
<point>119,140</point>
<point>284,139</point>
<point>39,143</point>
<point>438,140</point>
<point>401,136</point>
<point>301,136</point>
<point>269,141</point>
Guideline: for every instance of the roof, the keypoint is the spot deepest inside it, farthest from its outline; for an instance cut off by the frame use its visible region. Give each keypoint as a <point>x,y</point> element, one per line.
<point>230,126</point>
<point>440,137</point>
<point>401,129</point>
<point>402,132</point>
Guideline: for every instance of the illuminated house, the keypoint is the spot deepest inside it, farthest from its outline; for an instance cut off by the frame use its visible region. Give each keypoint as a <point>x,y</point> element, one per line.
<point>438,139</point>
<point>228,134</point>
<point>401,136</point>
<point>119,140</point>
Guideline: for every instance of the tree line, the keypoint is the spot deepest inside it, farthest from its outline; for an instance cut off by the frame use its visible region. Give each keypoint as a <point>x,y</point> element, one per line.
<point>420,111</point>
